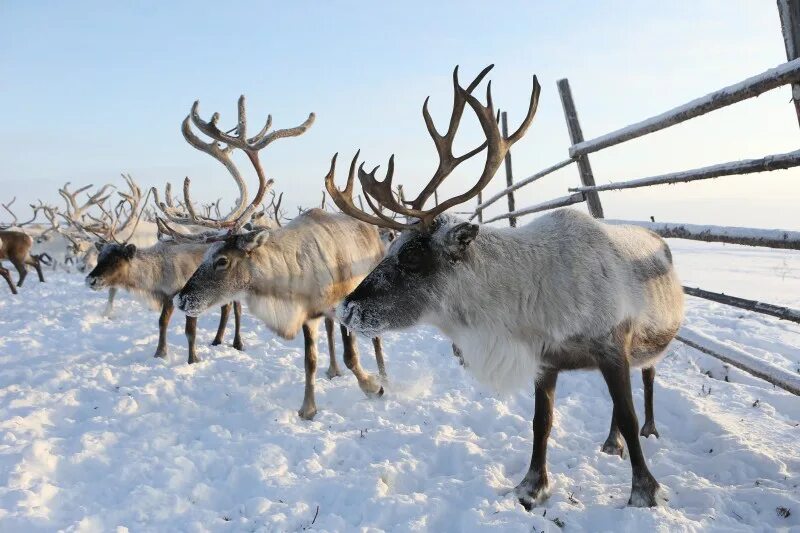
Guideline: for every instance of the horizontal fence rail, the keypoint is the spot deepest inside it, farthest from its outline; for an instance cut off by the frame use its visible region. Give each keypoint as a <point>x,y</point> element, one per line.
<point>765,238</point>
<point>784,313</point>
<point>562,201</point>
<point>521,183</point>
<point>749,88</point>
<point>733,168</point>
<point>741,360</point>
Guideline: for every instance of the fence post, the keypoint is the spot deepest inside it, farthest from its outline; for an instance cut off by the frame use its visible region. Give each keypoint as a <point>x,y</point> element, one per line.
<point>512,221</point>
<point>576,136</point>
<point>789,12</point>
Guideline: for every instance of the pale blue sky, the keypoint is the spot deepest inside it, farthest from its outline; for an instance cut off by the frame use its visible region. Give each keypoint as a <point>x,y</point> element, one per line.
<point>92,89</point>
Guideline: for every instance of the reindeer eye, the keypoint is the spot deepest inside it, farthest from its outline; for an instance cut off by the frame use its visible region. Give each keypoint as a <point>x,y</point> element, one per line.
<point>221,262</point>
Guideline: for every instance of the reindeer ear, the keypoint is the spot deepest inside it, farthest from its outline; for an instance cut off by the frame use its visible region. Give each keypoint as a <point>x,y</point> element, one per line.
<point>130,250</point>
<point>99,245</point>
<point>458,238</point>
<point>247,242</point>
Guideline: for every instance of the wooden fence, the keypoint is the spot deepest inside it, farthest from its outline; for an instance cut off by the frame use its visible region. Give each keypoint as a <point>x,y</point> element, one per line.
<point>784,74</point>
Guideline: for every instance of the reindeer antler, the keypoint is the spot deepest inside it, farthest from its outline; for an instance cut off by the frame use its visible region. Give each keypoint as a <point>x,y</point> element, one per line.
<point>221,152</point>
<point>75,210</point>
<point>379,194</point>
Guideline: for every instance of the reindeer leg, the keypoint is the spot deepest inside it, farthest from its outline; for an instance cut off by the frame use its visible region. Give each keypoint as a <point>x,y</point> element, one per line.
<point>649,427</point>
<point>37,264</point>
<point>613,444</point>
<point>333,368</point>
<point>191,334</point>
<point>616,372</point>
<point>22,270</point>
<point>163,321</point>
<point>223,323</point>
<point>368,384</point>
<point>535,486</point>
<point>7,275</point>
<point>376,344</point>
<point>237,326</point>
<point>309,407</point>
<point>112,292</point>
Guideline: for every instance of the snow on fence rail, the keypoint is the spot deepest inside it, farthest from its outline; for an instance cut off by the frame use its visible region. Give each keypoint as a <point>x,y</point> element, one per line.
<point>778,311</point>
<point>766,81</point>
<point>733,168</point>
<point>741,360</point>
<point>787,73</point>
<point>768,238</point>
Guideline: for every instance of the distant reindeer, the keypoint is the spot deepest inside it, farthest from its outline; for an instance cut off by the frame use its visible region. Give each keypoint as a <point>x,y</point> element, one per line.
<point>291,276</point>
<point>16,247</point>
<point>564,292</point>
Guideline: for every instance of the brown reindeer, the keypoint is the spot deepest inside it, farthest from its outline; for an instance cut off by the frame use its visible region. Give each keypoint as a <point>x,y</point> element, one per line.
<point>15,246</point>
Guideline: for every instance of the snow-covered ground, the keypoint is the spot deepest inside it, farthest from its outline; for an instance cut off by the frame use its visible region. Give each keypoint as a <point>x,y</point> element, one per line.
<point>96,435</point>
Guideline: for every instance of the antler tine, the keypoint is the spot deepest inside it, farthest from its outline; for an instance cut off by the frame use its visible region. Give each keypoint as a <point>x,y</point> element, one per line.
<point>344,198</point>
<point>7,207</point>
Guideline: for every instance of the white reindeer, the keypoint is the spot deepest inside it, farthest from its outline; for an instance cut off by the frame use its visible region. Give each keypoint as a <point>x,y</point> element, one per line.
<point>291,276</point>
<point>564,292</point>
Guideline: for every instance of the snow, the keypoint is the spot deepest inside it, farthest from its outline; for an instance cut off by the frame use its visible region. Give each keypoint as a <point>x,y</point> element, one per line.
<point>97,435</point>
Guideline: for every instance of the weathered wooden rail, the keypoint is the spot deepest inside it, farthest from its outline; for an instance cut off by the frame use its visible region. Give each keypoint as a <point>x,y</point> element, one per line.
<point>785,74</point>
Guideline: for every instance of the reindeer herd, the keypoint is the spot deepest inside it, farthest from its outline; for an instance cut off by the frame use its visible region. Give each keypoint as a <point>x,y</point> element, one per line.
<point>564,292</point>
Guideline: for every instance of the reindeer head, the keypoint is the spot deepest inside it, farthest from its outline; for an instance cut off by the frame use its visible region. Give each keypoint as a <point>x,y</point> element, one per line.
<point>224,273</point>
<point>113,264</point>
<point>407,285</point>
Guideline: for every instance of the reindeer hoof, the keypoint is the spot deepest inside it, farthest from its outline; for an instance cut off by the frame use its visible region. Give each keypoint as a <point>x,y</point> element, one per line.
<point>534,490</point>
<point>649,428</point>
<point>613,448</point>
<point>333,372</point>
<point>371,387</point>
<point>643,493</point>
<point>307,412</point>
<point>237,345</point>
<point>216,342</point>
<point>193,359</point>
<point>161,354</point>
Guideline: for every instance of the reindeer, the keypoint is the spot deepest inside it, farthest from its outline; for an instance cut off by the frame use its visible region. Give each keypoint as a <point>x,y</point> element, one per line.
<point>291,276</point>
<point>564,292</point>
<point>16,247</point>
<point>155,273</point>
<point>109,228</point>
